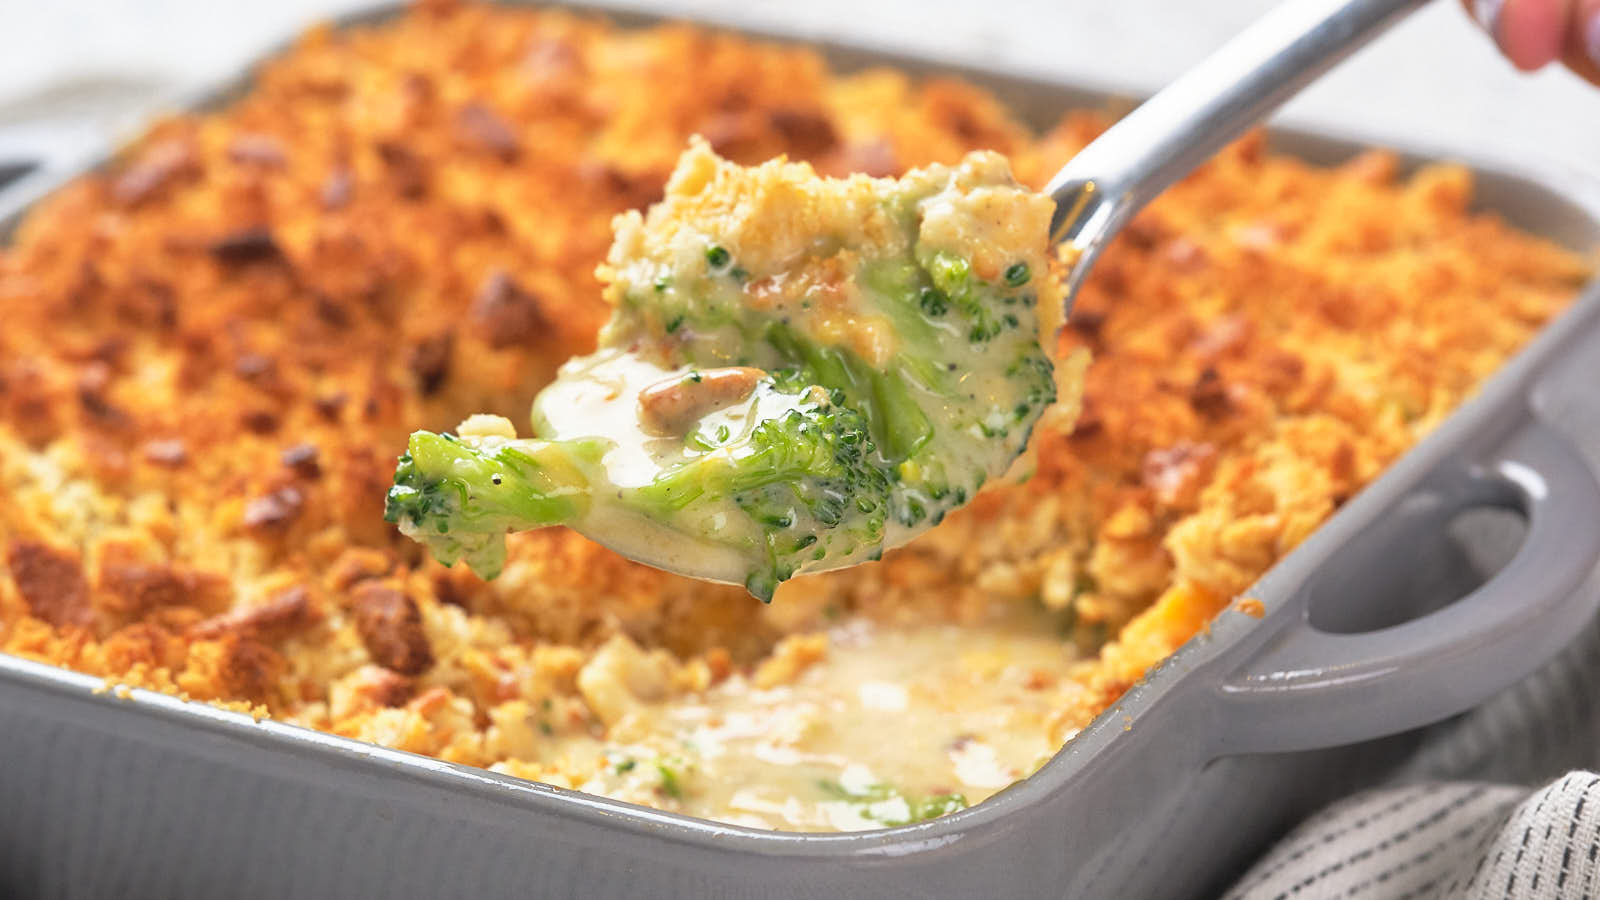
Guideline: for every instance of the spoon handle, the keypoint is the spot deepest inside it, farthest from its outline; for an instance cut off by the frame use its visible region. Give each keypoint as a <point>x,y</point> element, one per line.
<point>1205,108</point>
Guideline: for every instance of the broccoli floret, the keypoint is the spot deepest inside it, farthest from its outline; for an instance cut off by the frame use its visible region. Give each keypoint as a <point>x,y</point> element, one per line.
<point>810,481</point>
<point>460,499</point>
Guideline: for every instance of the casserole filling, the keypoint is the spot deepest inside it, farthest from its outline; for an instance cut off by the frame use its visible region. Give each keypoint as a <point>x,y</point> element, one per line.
<point>214,347</point>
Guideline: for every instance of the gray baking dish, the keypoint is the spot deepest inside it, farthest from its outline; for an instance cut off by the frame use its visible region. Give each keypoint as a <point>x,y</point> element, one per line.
<point>1374,626</point>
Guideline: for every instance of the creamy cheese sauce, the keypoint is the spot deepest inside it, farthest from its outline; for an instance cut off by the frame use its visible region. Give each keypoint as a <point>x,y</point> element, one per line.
<point>599,395</point>
<point>892,719</point>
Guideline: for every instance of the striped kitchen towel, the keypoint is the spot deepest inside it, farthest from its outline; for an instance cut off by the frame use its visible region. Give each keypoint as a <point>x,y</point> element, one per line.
<point>1482,810</point>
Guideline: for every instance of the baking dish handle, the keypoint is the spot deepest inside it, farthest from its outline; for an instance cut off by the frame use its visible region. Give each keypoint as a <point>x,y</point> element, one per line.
<point>1308,688</point>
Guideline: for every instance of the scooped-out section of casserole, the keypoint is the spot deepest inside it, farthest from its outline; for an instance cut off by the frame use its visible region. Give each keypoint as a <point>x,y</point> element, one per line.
<point>214,348</point>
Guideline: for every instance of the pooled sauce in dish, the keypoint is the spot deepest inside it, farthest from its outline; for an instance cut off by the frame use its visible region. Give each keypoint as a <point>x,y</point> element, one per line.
<point>884,725</point>
<point>799,373</point>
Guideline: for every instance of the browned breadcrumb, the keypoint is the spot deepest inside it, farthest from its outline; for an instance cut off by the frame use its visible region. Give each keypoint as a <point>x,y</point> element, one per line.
<point>214,349</point>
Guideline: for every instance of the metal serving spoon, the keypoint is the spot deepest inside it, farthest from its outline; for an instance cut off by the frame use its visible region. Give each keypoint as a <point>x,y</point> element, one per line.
<point>1101,188</point>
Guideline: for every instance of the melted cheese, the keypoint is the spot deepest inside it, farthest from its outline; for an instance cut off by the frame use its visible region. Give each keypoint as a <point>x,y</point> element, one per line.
<point>888,717</point>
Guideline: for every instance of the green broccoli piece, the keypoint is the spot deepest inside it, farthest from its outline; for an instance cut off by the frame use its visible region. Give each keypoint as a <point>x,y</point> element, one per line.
<point>889,806</point>
<point>810,481</point>
<point>460,500</point>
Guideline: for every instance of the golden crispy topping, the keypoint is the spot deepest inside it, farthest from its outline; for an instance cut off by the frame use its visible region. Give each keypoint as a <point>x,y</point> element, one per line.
<point>151,392</point>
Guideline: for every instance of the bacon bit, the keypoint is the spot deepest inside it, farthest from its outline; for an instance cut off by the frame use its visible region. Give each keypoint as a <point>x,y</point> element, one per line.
<point>257,149</point>
<point>406,169</point>
<point>876,159</point>
<point>386,687</point>
<point>1146,231</point>
<point>505,315</point>
<point>259,421</point>
<point>429,360</point>
<point>253,366</point>
<point>1224,336</point>
<point>1342,464</point>
<point>337,189</point>
<point>108,351</point>
<point>27,401</point>
<point>274,511</point>
<point>106,456</point>
<point>246,245</point>
<point>93,382</point>
<point>1087,322</point>
<point>668,407</point>
<point>1374,167</point>
<point>1261,236</point>
<point>1250,606</point>
<point>418,89</point>
<point>151,303</point>
<point>634,189</point>
<point>160,165</point>
<point>51,582</point>
<point>551,60</point>
<point>329,406</point>
<point>359,564</point>
<point>506,686</point>
<point>383,687</point>
<point>1174,473</point>
<point>302,458</point>
<point>1185,255</point>
<point>447,588</point>
<point>430,700</point>
<point>391,628</point>
<point>1039,679</point>
<point>719,663</point>
<point>1251,148</point>
<point>482,127</point>
<point>737,135</point>
<point>94,378</point>
<point>1209,396</point>
<point>86,285</point>
<point>1090,421</point>
<point>284,611</point>
<point>807,132</point>
<point>331,311</point>
<point>170,452</point>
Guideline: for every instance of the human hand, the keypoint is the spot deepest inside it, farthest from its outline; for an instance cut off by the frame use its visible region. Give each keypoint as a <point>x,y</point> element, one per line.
<point>1535,33</point>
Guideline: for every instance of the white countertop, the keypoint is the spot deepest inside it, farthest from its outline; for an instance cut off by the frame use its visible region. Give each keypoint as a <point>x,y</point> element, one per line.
<point>75,68</point>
